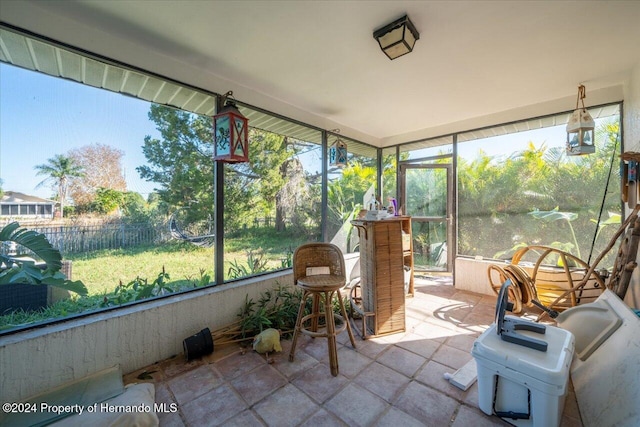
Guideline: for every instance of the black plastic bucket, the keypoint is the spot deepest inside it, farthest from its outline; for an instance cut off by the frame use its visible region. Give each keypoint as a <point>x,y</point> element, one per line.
<point>198,345</point>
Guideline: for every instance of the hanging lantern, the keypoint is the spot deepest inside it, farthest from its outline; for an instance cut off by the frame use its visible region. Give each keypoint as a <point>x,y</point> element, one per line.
<point>231,132</point>
<point>338,152</point>
<point>580,135</point>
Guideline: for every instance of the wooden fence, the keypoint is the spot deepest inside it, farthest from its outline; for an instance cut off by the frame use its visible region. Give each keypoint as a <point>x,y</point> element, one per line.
<point>70,239</point>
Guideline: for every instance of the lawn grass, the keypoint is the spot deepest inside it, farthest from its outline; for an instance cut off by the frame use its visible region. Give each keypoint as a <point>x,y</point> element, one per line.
<point>101,271</point>
<point>185,263</point>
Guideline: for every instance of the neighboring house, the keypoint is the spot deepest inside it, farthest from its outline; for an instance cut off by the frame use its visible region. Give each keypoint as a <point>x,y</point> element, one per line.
<point>14,204</point>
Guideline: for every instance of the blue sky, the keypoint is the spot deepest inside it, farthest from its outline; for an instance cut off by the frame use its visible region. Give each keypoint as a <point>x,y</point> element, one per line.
<point>41,116</point>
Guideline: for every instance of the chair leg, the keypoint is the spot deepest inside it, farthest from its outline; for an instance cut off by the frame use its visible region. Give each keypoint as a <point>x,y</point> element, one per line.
<point>331,334</point>
<point>315,310</point>
<point>296,329</point>
<point>346,320</point>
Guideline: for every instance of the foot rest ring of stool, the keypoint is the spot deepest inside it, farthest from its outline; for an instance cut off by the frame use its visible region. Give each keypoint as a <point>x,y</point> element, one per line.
<point>324,333</point>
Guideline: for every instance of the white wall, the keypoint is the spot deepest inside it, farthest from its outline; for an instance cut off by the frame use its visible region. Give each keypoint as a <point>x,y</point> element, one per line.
<point>38,360</point>
<point>471,275</point>
<point>632,143</point>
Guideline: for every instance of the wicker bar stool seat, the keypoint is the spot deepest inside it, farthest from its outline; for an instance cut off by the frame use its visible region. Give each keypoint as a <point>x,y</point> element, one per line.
<point>318,269</point>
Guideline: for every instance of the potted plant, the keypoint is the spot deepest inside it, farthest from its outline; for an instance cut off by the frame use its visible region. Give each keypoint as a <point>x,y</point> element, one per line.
<point>22,278</point>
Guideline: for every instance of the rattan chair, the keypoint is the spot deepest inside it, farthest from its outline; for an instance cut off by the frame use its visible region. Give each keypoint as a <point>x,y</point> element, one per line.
<point>318,268</point>
<point>559,280</point>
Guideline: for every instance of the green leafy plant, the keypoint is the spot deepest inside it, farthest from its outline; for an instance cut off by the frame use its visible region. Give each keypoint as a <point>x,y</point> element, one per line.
<point>201,281</point>
<point>276,308</point>
<point>24,270</point>
<point>556,215</point>
<point>255,264</point>
<point>287,261</point>
<point>138,289</point>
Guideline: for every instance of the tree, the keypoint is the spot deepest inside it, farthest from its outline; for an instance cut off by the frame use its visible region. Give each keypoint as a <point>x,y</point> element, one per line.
<point>496,197</point>
<point>107,200</point>
<point>181,161</point>
<point>102,166</point>
<point>59,171</point>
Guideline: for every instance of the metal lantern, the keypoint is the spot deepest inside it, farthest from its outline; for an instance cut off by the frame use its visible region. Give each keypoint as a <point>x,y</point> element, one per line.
<point>580,129</point>
<point>231,132</point>
<point>397,38</point>
<point>338,153</point>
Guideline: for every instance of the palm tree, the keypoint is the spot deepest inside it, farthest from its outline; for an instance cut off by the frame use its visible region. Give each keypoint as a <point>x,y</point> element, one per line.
<point>59,170</point>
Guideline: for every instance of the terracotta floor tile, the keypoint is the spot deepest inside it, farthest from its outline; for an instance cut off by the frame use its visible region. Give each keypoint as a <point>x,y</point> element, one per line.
<point>323,418</point>
<point>461,342</point>
<point>463,296</point>
<point>570,422</point>
<point>436,289</point>
<point>471,396</point>
<point>383,381</point>
<point>238,364</point>
<point>432,375</point>
<point>433,331</point>
<point>192,384</point>
<point>343,337</point>
<point>351,362</point>
<point>356,406</point>
<point>427,405</point>
<point>420,345</point>
<point>286,407</point>
<point>372,347</point>
<point>300,364</point>
<point>479,322</point>
<point>401,360</point>
<point>213,408</point>
<point>395,417</point>
<point>468,416</point>
<point>319,384</point>
<point>452,357</point>
<point>485,310</point>
<point>170,419</point>
<point>163,394</point>
<point>489,300</point>
<point>318,349</point>
<point>246,418</point>
<point>255,385</point>
<point>571,406</point>
<point>452,316</point>
<point>417,312</point>
<point>394,338</point>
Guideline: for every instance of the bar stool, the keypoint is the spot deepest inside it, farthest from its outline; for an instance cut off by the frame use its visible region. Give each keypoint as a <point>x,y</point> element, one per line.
<point>318,268</point>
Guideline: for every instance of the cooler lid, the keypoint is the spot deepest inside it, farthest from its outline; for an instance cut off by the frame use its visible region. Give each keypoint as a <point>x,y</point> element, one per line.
<point>549,367</point>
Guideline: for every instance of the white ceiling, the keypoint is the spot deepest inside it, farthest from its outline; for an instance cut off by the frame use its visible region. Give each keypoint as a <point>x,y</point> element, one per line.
<point>477,62</point>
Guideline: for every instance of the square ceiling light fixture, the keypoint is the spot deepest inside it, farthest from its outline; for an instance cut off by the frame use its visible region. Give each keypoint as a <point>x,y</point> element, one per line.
<point>398,38</point>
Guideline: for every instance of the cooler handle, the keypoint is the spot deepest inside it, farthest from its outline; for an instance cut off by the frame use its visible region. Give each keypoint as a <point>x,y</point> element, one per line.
<point>510,414</point>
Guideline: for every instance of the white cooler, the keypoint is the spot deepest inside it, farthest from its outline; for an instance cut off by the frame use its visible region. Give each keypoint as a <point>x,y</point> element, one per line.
<point>517,379</point>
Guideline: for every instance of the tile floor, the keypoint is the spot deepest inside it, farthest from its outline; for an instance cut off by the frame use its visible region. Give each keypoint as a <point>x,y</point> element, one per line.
<point>387,381</point>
